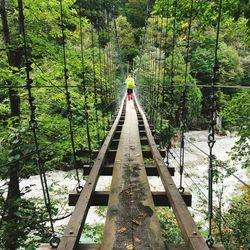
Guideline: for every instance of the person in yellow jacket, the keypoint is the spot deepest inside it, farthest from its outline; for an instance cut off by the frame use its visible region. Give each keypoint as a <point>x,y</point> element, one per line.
<point>130,86</point>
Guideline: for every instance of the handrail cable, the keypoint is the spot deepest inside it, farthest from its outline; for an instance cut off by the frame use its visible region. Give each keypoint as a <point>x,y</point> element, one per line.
<point>235,176</point>
<point>164,67</point>
<point>67,95</point>
<point>77,86</point>
<point>101,82</point>
<point>171,78</point>
<point>85,96</point>
<point>183,112</point>
<point>159,69</point>
<point>149,7</point>
<point>155,81</point>
<point>211,132</point>
<point>54,241</point>
<point>94,81</point>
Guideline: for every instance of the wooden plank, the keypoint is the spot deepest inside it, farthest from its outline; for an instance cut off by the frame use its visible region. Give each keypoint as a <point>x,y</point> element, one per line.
<point>130,219</point>
<point>100,198</point>
<point>142,127</point>
<point>107,170</point>
<point>110,156</point>
<point>73,230</point>
<point>98,246</point>
<point>190,232</point>
<point>89,247</point>
<point>112,153</point>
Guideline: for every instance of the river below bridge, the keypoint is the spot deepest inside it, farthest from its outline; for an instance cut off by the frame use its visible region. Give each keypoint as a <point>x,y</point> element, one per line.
<point>195,177</point>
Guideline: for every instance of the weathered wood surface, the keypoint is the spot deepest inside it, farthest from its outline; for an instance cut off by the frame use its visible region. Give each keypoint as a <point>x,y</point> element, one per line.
<point>100,198</point>
<point>190,232</point>
<point>131,222</point>
<point>73,230</point>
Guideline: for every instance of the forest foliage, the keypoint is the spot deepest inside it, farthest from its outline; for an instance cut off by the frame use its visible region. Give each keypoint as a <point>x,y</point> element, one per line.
<point>104,40</point>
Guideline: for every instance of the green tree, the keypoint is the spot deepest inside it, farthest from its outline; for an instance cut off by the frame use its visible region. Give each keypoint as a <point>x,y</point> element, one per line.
<point>126,37</point>
<point>136,11</point>
<point>237,116</point>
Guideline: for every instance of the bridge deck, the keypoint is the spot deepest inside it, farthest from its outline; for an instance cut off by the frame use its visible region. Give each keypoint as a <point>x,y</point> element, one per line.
<point>131,222</point>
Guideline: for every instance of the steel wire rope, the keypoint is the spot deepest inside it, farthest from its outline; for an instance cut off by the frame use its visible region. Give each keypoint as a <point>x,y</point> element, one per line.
<point>183,112</point>
<point>171,78</point>
<point>94,82</point>
<point>206,154</point>
<point>149,7</point>
<point>67,95</point>
<point>85,96</point>
<point>101,81</point>
<point>106,78</point>
<point>155,81</point>
<point>30,154</point>
<point>159,69</point>
<point>235,176</point>
<point>118,47</point>
<point>164,68</point>
<point>177,166</point>
<point>111,89</point>
<point>54,241</point>
<point>177,85</point>
<point>211,132</point>
<point>142,49</point>
<point>152,91</point>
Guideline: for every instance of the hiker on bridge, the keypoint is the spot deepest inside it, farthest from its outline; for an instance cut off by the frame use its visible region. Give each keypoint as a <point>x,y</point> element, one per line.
<point>130,86</point>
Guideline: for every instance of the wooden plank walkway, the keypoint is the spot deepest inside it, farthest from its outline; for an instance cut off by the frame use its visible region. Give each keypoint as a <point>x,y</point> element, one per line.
<point>131,221</point>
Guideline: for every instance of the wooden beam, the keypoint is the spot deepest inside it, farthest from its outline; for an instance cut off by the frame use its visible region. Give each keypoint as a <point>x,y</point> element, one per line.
<point>93,246</point>
<point>190,232</point>
<point>74,228</point>
<point>100,198</point>
<point>131,221</point>
<point>107,170</point>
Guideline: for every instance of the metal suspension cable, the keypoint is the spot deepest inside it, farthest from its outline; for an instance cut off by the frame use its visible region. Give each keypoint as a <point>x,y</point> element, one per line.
<point>211,132</point>
<point>183,113</point>
<point>67,95</point>
<point>117,42</point>
<point>149,7</point>
<point>164,67</point>
<point>235,176</point>
<point>152,75</point>
<point>142,48</point>
<point>109,77</point>
<point>155,82</point>
<point>171,77</point>
<point>95,85</point>
<point>105,87</point>
<point>188,173</point>
<point>54,241</point>
<point>86,106</point>
<point>159,70</point>
<point>101,82</point>
<point>112,68</point>
<point>154,39</point>
<point>106,68</point>
<point>109,64</point>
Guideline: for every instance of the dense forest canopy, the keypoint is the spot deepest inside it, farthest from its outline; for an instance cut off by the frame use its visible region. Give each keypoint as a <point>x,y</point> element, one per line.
<point>79,56</point>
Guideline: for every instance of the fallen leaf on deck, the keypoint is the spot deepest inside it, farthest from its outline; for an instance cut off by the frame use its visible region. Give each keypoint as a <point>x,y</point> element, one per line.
<point>136,239</point>
<point>129,247</point>
<point>136,222</point>
<point>122,230</point>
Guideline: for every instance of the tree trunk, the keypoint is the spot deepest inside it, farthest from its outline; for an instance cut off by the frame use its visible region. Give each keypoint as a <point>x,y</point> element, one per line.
<point>12,207</point>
